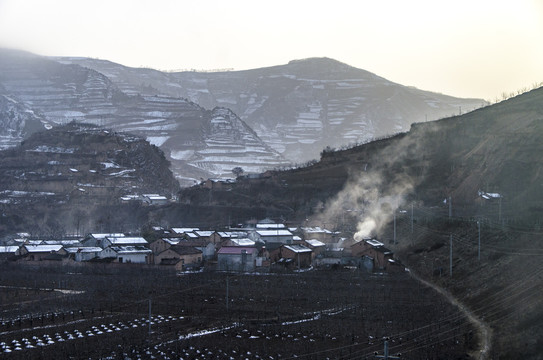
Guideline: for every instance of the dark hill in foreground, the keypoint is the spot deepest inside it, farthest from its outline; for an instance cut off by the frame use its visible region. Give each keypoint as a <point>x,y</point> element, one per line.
<point>442,181</point>
<point>61,180</point>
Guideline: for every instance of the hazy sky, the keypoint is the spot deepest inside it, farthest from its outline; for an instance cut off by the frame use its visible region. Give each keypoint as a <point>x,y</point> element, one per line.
<point>468,48</point>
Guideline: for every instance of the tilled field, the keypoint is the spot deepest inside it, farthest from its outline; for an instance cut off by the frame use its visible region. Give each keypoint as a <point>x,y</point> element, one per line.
<point>104,314</point>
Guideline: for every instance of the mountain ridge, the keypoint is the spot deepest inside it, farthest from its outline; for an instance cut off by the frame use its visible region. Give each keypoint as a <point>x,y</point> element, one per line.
<point>301,107</point>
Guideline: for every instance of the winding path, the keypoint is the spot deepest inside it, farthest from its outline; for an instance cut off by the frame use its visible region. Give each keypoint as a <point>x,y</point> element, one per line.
<point>485,332</point>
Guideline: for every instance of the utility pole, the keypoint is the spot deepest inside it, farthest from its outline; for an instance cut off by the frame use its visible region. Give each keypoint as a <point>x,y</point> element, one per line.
<point>395,227</point>
<point>385,355</point>
<point>450,208</point>
<point>479,247</point>
<point>500,211</point>
<point>411,218</point>
<point>226,293</point>
<point>149,316</point>
<point>450,256</point>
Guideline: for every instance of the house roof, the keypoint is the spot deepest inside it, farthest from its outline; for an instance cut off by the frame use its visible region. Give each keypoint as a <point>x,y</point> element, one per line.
<point>130,249</point>
<point>62,242</point>
<point>278,232</point>
<point>103,236</point>
<point>315,243</point>
<point>171,241</point>
<point>8,249</point>
<point>236,250</point>
<point>317,230</point>
<point>42,248</point>
<point>374,243</point>
<point>270,226</point>
<point>232,234</point>
<point>243,242</point>
<point>83,249</point>
<point>125,240</point>
<point>203,233</point>
<point>297,248</point>
<point>184,230</point>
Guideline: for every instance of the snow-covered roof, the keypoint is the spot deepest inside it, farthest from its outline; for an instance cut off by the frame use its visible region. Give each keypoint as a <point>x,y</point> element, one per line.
<point>130,249</point>
<point>204,233</point>
<point>315,242</point>
<point>278,232</point>
<point>374,243</point>
<point>158,197</point>
<point>8,249</point>
<point>243,242</point>
<point>184,230</point>
<point>270,226</point>
<point>298,248</point>
<point>83,249</point>
<point>103,236</point>
<point>231,234</point>
<point>172,241</point>
<point>42,248</point>
<point>127,240</point>
<point>62,242</point>
<point>317,229</point>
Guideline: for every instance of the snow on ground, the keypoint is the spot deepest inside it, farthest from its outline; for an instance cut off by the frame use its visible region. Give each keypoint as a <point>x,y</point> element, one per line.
<point>109,164</point>
<point>181,154</point>
<point>122,172</point>
<point>157,140</point>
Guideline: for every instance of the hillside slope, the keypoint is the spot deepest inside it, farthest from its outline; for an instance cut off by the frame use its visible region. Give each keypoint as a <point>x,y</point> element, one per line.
<point>298,108</point>
<point>446,183</point>
<point>72,177</point>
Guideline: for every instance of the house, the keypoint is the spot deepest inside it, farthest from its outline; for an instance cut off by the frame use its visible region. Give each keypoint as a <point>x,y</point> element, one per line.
<point>185,255</point>
<point>155,199</point>
<point>96,239</point>
<point>180,231</point>
<point>208,236</point>
<point>374,249</point>
<point>315,245</point>
<point>124,241</point>
<point>238,242</point>
<point>320,234</point>
<point>40,252</point>
<point>8,251</point>
<point>293,256</point>
<point>282,236</point>
<point>160,245</point>
<point>270,226</point>
<point>236,258</point>
<point>126,254</point>
<point>83,253</point>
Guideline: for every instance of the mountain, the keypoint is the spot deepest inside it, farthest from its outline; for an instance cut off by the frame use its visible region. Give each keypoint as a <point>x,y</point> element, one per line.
<point>469,184</point>
<point>193,138</point>
<point>72,177</point>
<point>299,108</point>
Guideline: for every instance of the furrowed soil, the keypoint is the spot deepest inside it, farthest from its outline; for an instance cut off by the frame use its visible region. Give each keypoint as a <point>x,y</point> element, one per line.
<point>102,312</point>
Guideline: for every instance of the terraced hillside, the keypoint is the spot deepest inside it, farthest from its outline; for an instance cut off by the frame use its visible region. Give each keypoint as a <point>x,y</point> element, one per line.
<point>299,108</point>
<point>61,93</point>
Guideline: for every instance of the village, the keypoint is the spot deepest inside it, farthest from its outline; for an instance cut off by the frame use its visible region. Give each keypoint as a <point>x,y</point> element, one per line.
<point>261,246</point>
